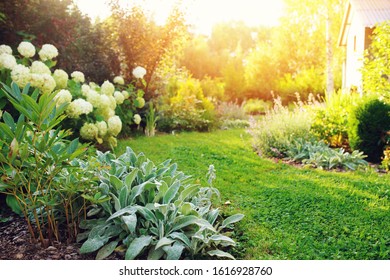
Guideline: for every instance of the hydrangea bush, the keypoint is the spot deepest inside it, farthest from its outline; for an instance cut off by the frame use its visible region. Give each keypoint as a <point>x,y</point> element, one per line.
<point>92,110</point>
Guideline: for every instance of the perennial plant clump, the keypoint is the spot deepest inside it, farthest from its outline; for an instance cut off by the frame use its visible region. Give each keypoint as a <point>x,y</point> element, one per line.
<point>154,212</point>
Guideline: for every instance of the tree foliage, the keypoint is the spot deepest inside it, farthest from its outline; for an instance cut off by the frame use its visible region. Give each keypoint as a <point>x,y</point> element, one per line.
<point>376,69</point>
<point>83,46</point>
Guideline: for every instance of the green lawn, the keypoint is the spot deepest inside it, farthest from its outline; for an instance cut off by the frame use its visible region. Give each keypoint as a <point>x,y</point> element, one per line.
<point>290,213</point>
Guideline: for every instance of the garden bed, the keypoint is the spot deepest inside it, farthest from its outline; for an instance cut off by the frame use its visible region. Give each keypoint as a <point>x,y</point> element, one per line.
<point>16,244</point>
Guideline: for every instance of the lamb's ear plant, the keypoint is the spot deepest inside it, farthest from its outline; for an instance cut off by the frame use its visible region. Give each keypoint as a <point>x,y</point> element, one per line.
<point>319,154</point>
<point>34,155</point>
<point>154,212</point>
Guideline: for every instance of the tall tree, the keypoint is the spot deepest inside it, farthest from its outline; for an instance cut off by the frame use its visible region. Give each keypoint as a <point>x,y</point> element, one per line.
<point>141,41</point>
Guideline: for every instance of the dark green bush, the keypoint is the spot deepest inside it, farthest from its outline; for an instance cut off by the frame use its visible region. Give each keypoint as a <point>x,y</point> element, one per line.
<point>367,127</point>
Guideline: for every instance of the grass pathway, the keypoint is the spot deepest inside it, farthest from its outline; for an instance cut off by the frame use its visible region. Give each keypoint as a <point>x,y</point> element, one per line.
<point>290,213</point>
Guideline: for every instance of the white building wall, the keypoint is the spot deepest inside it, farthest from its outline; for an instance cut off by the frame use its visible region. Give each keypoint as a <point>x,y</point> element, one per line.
<point>354,54</point>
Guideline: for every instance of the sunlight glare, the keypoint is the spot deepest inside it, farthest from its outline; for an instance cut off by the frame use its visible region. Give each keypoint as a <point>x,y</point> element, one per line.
<point>201,14</point>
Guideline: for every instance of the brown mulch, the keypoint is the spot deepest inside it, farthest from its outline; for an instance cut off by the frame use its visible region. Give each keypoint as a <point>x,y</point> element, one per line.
<point>16,244</point>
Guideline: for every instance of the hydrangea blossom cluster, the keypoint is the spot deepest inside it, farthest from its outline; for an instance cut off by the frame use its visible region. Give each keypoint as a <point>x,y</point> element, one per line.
<point>91,106</point>
<point>139,72</point>
<point>48,52</point>
<point>78,76</point>
<point>26,49</point>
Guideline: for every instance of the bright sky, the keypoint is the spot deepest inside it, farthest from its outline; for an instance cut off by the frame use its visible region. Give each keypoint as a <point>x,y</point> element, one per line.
<point>202,14</point>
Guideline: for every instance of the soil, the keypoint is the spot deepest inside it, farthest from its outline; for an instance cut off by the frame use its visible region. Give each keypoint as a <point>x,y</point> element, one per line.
<point>16,244</point>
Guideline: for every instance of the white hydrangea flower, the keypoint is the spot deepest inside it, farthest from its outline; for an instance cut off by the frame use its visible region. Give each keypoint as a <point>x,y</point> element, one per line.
<point>61,78</point>
<point>89,131</point>
<point>114,125</point>
<point>119,80</point>
<point>38,67</point>
<point>62,97</point>
<point>119,98</point>
<point>94,98</point>
<point>102,128</point>
<point>7,61</point>
<point>47,52</point>
<point>79,107</point>
<point>78,76</point>
<point>125,94</point>
<point>5,49</point>
<point>104,102</point>
<point>106,113</point>
<point>94,86</point>
<point>20,74</point>
<point>49,84</point>
<point>85,89</point>
<point>36,80</point>
<point>139,72</point>
<point>137,119</point>
<point>107,88</point>
<point>112,103</point>
<point>140,102</point>
<point>26,49</point>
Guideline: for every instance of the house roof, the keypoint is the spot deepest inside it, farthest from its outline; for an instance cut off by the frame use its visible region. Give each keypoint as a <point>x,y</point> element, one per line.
<point>370,13</point>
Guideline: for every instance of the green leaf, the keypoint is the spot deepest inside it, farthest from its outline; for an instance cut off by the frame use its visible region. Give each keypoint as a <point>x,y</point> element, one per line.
<point>147,214</point>
<point>232,219</point>
<point>223,240</point>
<point>220,254</point>
<point>127,210</point>
<point>171,193</point>
<point>5,130</point>
<point>212,216</point>
<point>164,242</point>
<point>129,179</point>
<point>155,254</point>
<point>117,204</point>
<point>189,192</point>
<point>131,222</point>
<point>12,202</point>
<point>93,244</point>
<point>106,250</point>
<point>182,237</point>
<point>123,194</point>
<point>117,183</point>
<point>183,221</point>
<point>136,191</point>
<point>174,252</point>
<point>9,120</point>
<point>73,146</point>
<point>186,208</point>
<point>136,247</point>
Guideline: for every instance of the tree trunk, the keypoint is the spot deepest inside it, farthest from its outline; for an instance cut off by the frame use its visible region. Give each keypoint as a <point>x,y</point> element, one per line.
<point>329,57</point>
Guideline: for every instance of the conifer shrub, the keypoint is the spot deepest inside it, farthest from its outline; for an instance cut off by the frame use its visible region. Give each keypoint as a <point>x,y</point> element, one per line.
<point>367,127</point>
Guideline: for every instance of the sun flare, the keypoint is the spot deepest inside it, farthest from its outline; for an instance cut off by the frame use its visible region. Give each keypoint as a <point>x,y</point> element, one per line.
<point>201,14</point>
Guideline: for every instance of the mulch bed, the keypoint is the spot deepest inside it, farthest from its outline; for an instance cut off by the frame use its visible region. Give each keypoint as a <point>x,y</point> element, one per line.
<point>16,244</point>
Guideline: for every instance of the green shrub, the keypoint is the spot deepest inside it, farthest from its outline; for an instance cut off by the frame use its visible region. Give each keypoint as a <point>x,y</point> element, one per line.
<point>367,128</point>
<point>319,154</point>
<point>256,106</point>
<point>41,175</point>
<point>330,122</point>
<point>153,212</point>
<point>185,107</point>
<point>273,133</point>
<point>376,68</point>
